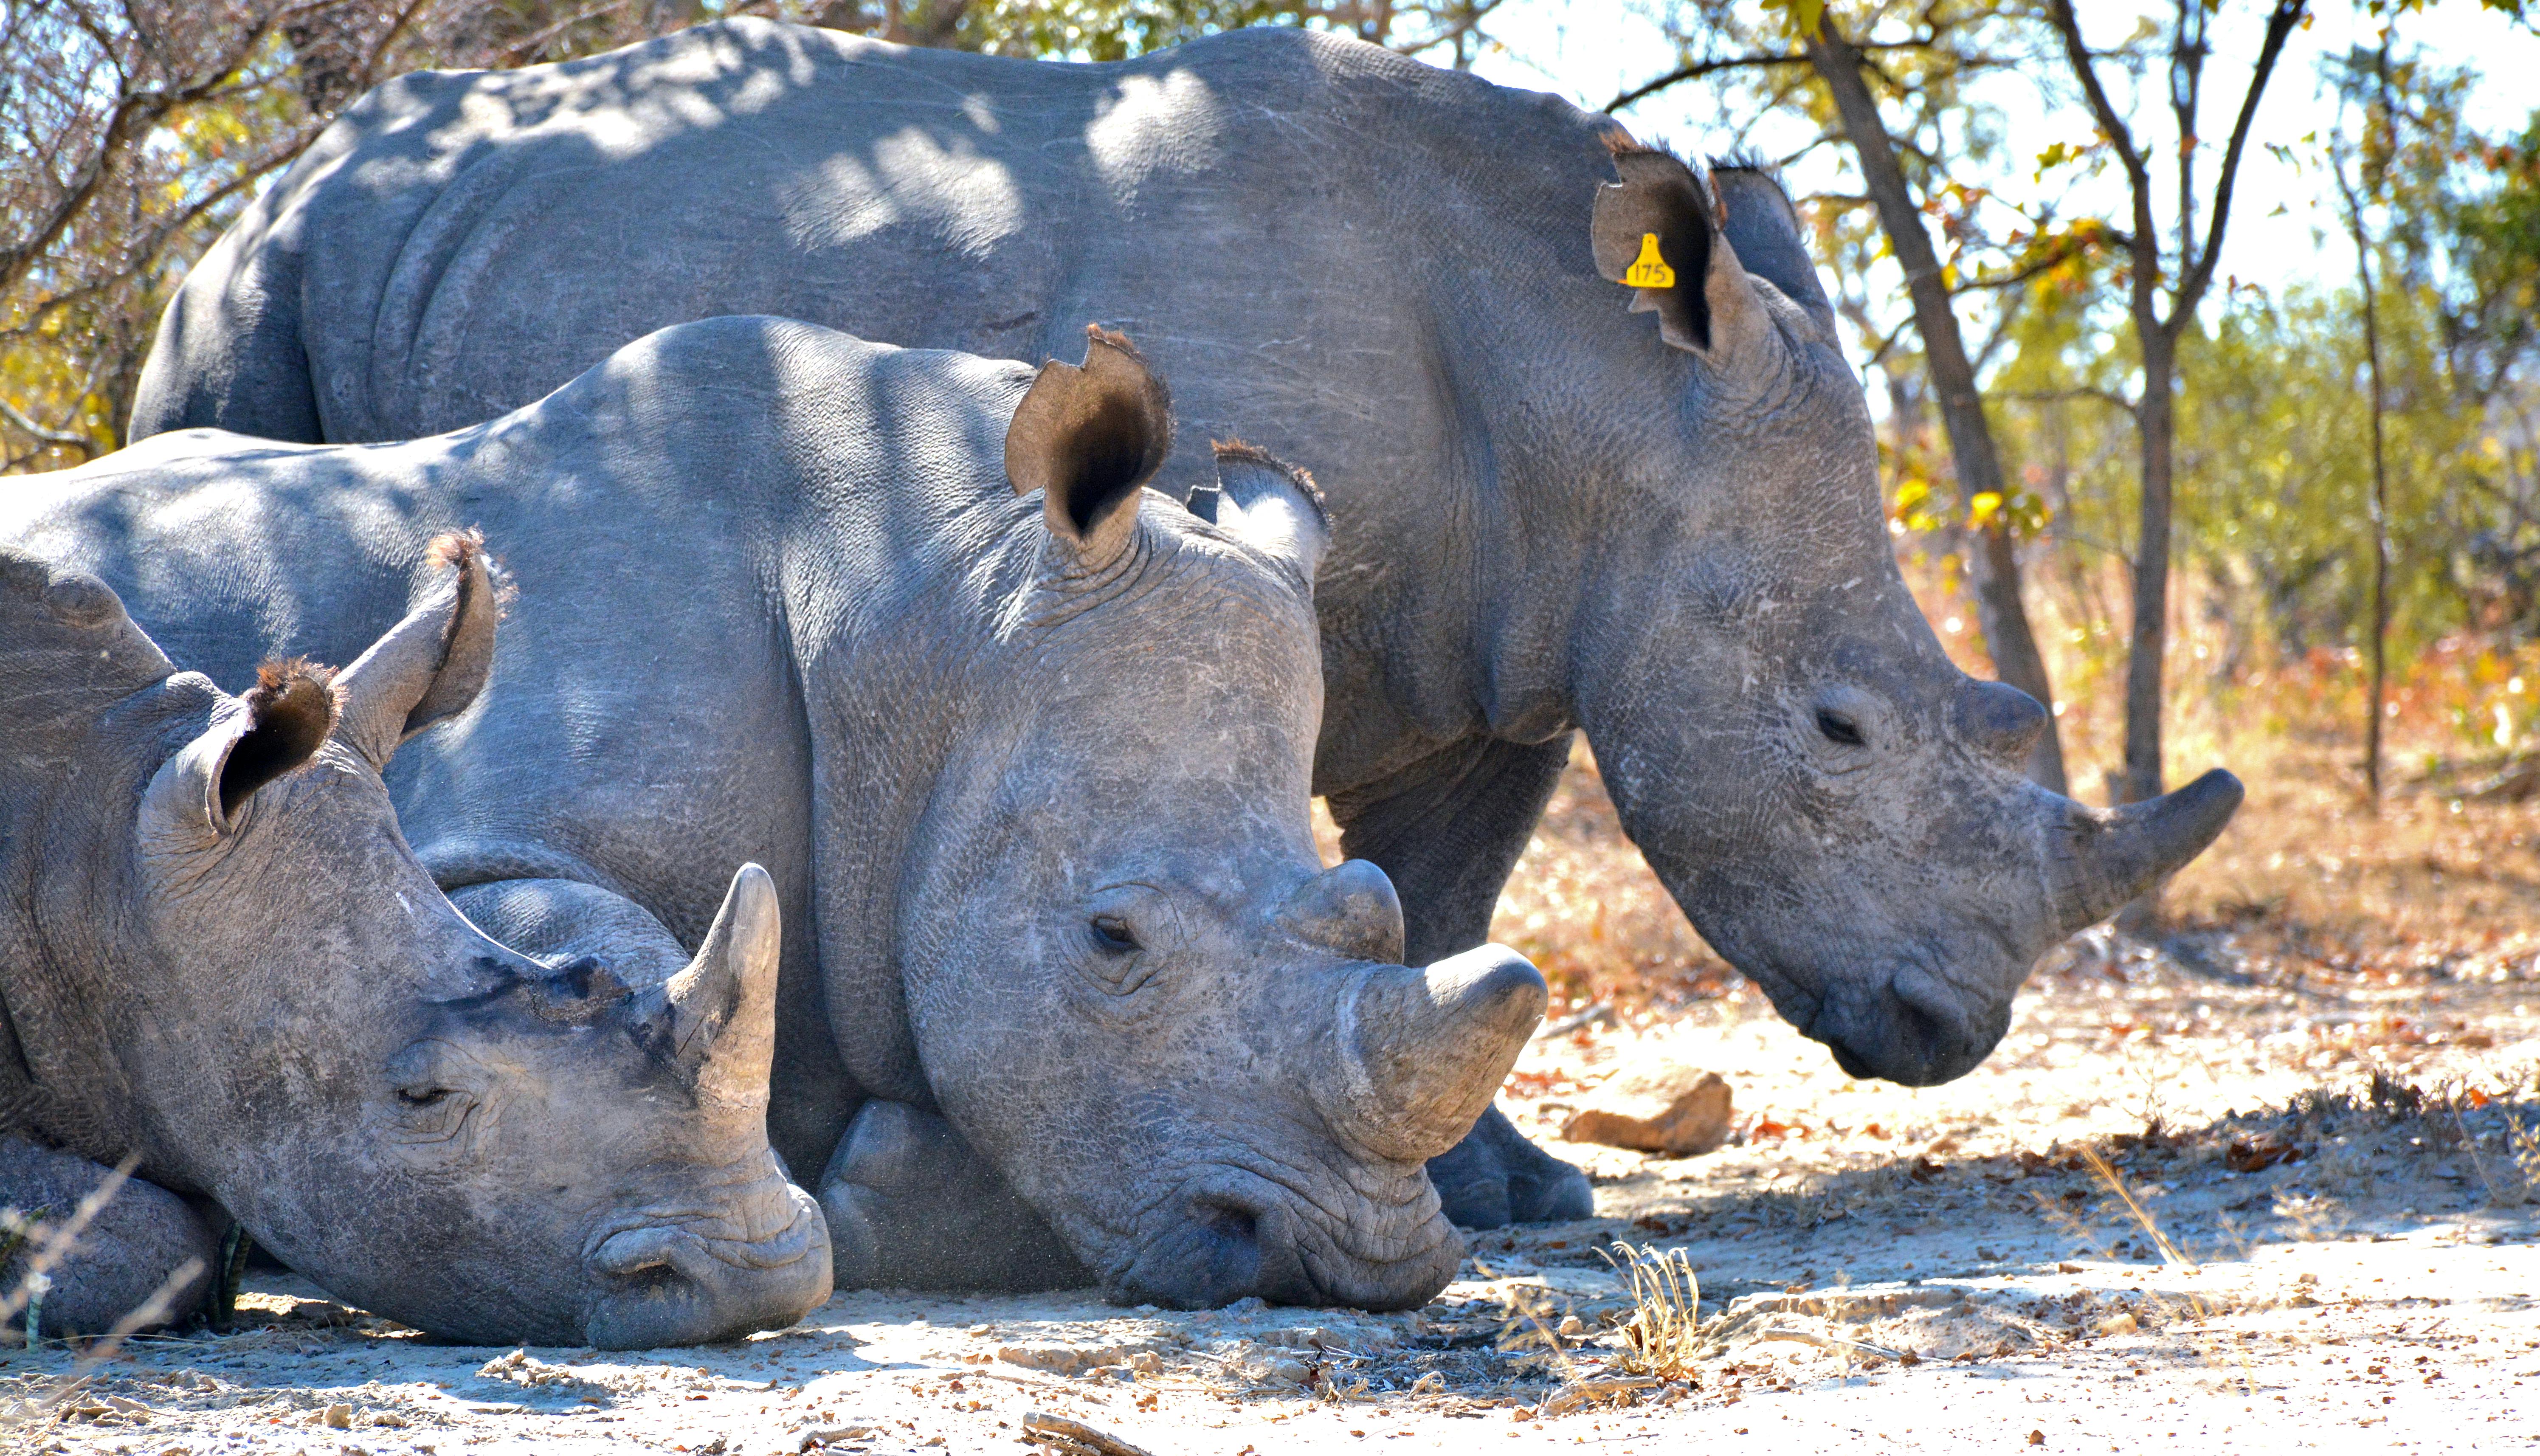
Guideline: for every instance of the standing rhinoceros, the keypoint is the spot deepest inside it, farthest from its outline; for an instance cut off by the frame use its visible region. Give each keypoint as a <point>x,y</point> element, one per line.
<point>1028,762</point>
<point>1552,516</point>
<point>218,956</point>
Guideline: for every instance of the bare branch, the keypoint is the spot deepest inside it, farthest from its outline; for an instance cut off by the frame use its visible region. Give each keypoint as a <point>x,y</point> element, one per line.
<point>2286,15</point>
<point>1696,70</point>
<point>2085,70</point>
<point>19,420</point>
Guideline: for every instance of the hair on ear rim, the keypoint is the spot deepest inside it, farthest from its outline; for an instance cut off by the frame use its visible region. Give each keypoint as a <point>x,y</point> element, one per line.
<point>291,711</point>
<point>1297,475</point>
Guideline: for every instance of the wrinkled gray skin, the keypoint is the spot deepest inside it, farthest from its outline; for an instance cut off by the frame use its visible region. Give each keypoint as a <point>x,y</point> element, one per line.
<point>219,955</point>
<point>1029,771</point>
<point>1551,514</point>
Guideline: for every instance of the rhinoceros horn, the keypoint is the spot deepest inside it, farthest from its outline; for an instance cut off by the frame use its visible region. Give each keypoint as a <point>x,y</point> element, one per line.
<point>1431,1045</point>
<point>2105,858</point>
<point>722,1005</point>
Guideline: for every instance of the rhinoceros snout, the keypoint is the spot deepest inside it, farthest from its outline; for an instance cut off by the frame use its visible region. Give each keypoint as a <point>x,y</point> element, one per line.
<point>1915,1030</point>
<point>666,1284</point>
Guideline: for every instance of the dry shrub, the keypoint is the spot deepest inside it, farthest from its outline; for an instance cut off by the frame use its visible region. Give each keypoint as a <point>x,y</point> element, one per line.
<point>1662,1333</point>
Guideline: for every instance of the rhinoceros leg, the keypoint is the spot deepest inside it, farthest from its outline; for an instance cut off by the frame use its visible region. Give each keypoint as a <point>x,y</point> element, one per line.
<point>556,921</point>
<point>1448,830</point>
<point>137,1243</point>
<point>911,1207</point>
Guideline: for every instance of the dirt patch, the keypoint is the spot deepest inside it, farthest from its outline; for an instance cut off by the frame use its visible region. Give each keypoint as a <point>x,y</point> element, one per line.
<point>2311,1220</point>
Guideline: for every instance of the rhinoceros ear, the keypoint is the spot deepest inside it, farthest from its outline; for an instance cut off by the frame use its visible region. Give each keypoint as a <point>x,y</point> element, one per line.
<point>288,715</point>
<point>1659,231</point>
<point>1764,229</point>
<point>1270,505</point>
<point>1087,437</point>
<point>431,665</point>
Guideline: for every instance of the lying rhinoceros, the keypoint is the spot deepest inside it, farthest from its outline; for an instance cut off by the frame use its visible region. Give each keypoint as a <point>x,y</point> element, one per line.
<point>1665,531</point>
<point>1024,745</point>
<point>218,955</point>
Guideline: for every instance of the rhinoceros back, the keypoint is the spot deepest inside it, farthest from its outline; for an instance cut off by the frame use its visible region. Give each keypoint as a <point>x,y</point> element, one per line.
<point>460,243</point>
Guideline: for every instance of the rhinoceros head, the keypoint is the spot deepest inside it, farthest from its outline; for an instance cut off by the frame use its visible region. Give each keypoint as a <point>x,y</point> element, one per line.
<point>1135,986</point>
<point>408,1113</point>
<point>1836,806</point>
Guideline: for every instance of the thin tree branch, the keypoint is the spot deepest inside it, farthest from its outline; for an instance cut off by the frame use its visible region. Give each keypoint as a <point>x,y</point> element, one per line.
<point>2280,26</point>
<point>1696,70</point>
<point>19,420</point>
<point>2107,397</point>
<point>2147,231</point>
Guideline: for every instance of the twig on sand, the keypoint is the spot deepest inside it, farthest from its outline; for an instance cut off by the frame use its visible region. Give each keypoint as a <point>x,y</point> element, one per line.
<point>1834,1342</point>
<point>1075,1437</point>
<point>1025,1383</point>
<point>1579,1392</point>
<point>1602,1012</point>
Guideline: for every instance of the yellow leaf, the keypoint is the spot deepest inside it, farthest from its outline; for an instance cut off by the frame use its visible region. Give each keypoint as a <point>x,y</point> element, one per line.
<point>1982,508</point>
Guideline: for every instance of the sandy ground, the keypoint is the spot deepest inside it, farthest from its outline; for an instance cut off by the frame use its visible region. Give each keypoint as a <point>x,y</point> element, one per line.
<point>2351,1265</point>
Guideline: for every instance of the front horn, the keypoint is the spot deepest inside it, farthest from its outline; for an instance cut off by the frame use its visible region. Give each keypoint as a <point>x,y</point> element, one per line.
<point>1431,1047</point>
<point>2108,856</point>
<point>722,1005</point>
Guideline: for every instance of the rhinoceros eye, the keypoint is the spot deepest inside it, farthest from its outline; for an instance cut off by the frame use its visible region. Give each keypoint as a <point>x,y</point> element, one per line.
<point>1112,933</point>
<point>1839,728</point>
<point>423,1096</point>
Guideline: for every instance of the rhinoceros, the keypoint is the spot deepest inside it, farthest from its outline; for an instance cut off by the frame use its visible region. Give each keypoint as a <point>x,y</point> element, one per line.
<point>219,957</point>
<point>1024,745</point>
<point>1552,516</point>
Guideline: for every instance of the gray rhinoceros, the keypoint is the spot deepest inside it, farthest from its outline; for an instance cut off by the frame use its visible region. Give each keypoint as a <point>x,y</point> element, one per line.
<point>1552,516</point>
<point>1024,745</point>
<point>218,956</point>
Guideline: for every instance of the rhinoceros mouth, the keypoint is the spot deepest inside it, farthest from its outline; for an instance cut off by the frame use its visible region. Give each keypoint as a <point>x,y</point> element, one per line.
<point>698,1277</point>
<point>1909,1023</point>
<point>1241,1231</point>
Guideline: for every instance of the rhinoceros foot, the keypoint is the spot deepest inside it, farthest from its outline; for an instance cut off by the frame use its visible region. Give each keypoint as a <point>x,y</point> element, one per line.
<point>1496,1177</point>
<point>911,1207</point>
<point>135,1245</point>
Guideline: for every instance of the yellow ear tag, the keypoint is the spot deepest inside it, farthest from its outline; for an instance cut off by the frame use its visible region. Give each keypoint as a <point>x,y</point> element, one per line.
<point>1649,270</point>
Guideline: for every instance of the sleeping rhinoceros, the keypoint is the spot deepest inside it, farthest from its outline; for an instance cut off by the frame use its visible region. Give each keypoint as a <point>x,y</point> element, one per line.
<point>219,957</point>
<point>1024,745</point>
<point>1552,516</point>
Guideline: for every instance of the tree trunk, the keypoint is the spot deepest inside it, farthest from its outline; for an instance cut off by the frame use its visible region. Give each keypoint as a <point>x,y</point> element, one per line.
<point>2150,636</point>
<point>1992,560</point>
<point>2381,522</point>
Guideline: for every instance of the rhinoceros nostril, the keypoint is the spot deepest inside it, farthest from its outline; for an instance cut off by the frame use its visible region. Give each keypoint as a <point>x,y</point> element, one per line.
<point>1227,1221</point>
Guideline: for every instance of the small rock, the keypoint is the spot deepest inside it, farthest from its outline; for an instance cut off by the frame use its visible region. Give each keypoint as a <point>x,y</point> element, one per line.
<point>1571,1327</point>
<point>1288,1372</point>
<point>1067,1359</point>
<point>1655,1104</point>
<point>1145,1362</point>
<point>338,1417</point>
<point>2121,1323</point>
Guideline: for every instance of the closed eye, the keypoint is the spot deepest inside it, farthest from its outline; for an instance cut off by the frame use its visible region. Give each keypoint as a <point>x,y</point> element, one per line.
<point>1840,729</point>
<point>1112,933</point>
<point>427,1097</point>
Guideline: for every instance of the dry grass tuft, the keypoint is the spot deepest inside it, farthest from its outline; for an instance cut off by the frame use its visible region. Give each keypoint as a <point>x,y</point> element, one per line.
<point>1663,1333</point>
